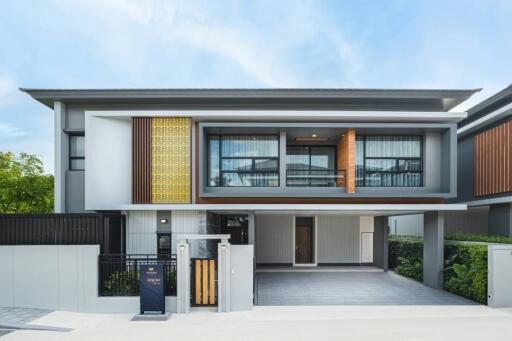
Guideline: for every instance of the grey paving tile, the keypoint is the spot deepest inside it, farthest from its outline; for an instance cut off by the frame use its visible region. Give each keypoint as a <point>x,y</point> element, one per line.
<point>347,288</point>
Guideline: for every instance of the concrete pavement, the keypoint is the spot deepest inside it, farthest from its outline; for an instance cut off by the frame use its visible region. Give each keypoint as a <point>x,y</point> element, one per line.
<point>460,322</point>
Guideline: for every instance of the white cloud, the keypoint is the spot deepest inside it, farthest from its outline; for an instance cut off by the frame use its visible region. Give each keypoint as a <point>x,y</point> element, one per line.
<point>124,31</point>
<point>8,131</point>
<point>7,85</point>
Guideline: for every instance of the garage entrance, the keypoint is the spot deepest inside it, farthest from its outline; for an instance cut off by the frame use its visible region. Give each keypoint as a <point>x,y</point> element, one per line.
<point>332,287</point>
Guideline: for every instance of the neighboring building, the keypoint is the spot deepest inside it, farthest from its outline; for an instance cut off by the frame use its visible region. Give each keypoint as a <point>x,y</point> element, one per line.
<point>308,176</point>
<point>484,173</point>
<point>485,162</point>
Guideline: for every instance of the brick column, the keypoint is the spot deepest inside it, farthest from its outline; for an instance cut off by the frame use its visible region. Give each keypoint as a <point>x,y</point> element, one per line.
<point>346,160</point>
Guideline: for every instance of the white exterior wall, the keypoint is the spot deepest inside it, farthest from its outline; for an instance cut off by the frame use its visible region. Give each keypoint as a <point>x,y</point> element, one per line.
<point>499,275</point>
<point>141,232</point>
<point>65,278</point>
<point>108,162</point>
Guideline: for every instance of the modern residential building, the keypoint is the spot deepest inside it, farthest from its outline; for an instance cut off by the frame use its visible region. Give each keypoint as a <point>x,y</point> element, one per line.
<point>307,176</point>
<point>484,173</point>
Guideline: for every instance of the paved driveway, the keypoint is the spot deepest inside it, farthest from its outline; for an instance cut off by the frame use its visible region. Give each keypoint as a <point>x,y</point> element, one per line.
<point>348,288</point>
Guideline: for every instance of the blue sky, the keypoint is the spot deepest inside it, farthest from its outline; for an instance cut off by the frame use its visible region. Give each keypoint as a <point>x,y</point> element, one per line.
<point>297,43</point>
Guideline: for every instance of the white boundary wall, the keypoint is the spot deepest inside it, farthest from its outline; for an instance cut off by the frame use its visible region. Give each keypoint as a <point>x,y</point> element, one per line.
<point>499,275</point>
<point>59,277</point>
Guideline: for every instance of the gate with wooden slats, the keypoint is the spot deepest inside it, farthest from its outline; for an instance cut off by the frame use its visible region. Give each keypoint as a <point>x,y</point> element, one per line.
<point>204,282</point>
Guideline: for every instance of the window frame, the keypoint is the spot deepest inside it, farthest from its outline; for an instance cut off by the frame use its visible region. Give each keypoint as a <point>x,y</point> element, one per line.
<point>397,160</point>
<point>308,169</point>
<point>71,158</point>
<point>253,159</point>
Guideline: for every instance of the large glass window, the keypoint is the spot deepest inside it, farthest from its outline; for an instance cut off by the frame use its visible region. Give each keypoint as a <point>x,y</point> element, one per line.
<point>76,152</point>
<point>389,161</point>
<point>310,166</point>
<point>243,160</point>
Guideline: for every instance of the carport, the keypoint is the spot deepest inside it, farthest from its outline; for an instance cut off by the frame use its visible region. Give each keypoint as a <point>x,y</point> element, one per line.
<point>345,287</point>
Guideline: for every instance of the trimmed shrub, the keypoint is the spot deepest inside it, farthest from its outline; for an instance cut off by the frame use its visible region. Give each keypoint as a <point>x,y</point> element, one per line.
<point>465,272</point>
<point>405,248</point>
<point>478,238</point>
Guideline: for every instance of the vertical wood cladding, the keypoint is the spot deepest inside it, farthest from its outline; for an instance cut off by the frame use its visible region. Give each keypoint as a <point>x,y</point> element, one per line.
<point>346,160</point>
<point>493,160</point>
<point>171,160</point>
<point>141,160</point>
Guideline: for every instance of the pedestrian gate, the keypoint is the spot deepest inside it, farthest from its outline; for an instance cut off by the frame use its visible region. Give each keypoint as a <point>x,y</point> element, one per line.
<point>204,282</point>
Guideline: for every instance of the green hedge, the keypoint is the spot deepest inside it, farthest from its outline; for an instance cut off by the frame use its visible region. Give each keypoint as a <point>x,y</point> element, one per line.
<point>465,271</point>
<point>478,238</point>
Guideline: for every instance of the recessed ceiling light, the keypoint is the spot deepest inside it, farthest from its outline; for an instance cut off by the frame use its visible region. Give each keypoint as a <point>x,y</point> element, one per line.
<point>313,136</point>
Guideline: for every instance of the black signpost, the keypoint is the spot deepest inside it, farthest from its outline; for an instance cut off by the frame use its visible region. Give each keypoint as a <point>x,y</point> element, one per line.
<point>152,293</point>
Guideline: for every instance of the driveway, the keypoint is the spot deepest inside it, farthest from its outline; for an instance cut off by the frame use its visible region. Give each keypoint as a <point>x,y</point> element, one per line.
<point>347,288</point>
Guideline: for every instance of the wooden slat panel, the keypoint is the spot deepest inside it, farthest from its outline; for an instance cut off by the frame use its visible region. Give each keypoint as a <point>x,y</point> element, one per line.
<point>141,160</point>
<point>198,282</point>
<point>493,160</point>
<point>212,281</point>
<point>205,281</point>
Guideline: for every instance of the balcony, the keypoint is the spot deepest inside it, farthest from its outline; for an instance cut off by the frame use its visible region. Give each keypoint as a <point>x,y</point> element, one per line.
<point>315,178</point>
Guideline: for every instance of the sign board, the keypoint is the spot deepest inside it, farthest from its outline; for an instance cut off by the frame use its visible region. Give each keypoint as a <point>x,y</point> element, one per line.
<point>152,289</point>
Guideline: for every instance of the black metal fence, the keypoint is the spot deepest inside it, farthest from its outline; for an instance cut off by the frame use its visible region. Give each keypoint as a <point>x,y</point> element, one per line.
<point>119,274</point>
<point>104,229</point>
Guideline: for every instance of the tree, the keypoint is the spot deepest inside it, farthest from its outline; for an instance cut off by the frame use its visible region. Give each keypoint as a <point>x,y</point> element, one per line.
<point>24,188</point>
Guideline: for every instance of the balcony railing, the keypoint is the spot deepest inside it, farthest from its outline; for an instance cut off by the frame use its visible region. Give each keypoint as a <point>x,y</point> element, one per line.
<point>119,274</point>
<point>315,178</point>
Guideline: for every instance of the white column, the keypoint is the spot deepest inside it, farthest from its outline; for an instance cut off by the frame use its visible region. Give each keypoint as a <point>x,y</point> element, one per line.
<point>183,277</point>
<point>224,277</point>
<point>61,157</point>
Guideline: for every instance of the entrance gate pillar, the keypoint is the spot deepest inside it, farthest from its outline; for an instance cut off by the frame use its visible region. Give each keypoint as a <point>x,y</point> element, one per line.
<point>183,277</point>
<point>224,277</point>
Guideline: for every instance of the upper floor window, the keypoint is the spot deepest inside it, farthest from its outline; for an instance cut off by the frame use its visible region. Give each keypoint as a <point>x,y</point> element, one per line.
<point>76,152</point>
<point>310,166</point>
<point>243,160</point>
<point>389,161</point>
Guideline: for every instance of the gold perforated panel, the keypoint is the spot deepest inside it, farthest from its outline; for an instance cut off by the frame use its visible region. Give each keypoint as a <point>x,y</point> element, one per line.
<point>171,160</point>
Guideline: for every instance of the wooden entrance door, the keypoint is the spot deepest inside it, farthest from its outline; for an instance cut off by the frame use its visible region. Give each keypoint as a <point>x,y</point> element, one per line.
<point>304,239</point>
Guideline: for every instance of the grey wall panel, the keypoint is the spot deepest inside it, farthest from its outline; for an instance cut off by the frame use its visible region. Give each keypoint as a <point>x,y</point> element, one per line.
<point>141,232</point>
<point>472,221</point>
<point>274,239</point>
<point>75,191</point>
<point>190,222</point>
<point>75,117</point>
<point>163,227</point>
<point>500,220</point>
<point>432,163</point>
<point>406,225</point>
<point>338,239</point>
<point>465,172</point>
<point>380,242</point>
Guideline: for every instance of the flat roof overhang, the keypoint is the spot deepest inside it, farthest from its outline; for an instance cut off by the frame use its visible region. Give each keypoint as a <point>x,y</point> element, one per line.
<point>267,99</point>
<point>298,209</point>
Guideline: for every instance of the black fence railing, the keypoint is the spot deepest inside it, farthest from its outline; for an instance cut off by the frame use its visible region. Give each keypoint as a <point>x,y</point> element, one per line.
<point>119,275</point>
<point>315,178</point>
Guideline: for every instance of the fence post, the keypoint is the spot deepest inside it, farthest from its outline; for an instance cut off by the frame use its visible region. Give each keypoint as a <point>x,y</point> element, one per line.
<point>224,277</point>
<point>183,277</point>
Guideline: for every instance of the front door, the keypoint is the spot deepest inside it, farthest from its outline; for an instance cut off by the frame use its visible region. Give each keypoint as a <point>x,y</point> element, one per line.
<point>304,240</point>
